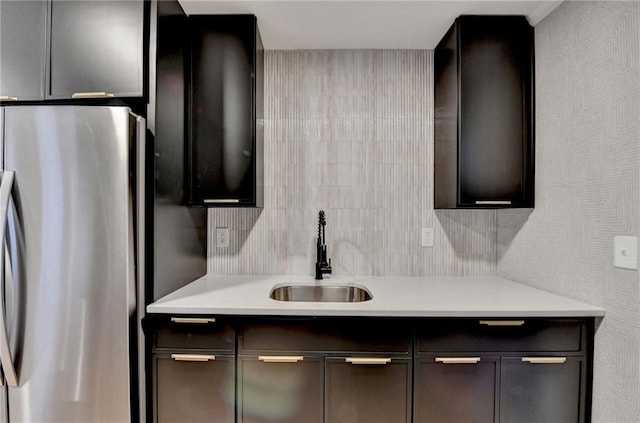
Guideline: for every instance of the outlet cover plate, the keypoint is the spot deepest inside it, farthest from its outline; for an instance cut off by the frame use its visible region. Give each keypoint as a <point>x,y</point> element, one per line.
<point>222,237</point>
<point>427,237</point>
<point>625,253</point>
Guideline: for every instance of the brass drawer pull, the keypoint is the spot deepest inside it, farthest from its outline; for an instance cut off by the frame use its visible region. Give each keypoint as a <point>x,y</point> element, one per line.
<point>197,320</point>
<point>92,94</point>
<point>280,358</point>
<point>193,357</point>
<point>222,201</point>
<point>358,360</point>
<point>494,202</point>
<point>458,360</point>
<point>8,98</point>
<point>544,360</point>
<point>502,322</point>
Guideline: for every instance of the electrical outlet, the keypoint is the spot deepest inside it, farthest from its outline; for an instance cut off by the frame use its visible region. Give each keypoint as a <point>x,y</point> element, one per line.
<point>427,237</point>
<point>625,252</point>
<point>222,237</point>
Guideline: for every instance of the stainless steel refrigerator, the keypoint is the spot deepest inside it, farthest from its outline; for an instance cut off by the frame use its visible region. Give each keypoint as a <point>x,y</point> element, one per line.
<point>72,215</point>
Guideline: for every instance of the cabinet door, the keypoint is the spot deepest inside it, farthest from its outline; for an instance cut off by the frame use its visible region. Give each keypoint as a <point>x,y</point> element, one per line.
<point>455,389</point>
<point>222,150</point>
<point>188,390</point>
<point>22,49</point>
<point>365,392</point>
<point>494,126</point>
<point>273,388</point>
<point>541,391</point>
<point>96,46</point>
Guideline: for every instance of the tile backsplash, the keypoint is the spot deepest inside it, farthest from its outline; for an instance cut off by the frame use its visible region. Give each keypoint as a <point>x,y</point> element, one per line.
<point>351,132</point>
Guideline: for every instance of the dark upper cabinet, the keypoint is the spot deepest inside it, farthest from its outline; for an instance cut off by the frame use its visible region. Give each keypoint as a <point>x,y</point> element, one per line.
<point>96,46</point>
<point>484,149</point>
<point>224,153</point>
<point>60,49</point>
<point>22,49</point>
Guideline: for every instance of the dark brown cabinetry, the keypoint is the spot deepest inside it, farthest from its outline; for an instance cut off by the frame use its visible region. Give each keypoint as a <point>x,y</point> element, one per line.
<point>60,49</point>
<point>471,381</point>
<point>542,389</point>
<point>484,152</point>
<point>326,370</point>
<point>531,370</point>
<point>194,371</point>
<point>224,156</point>
<point>273,387</point>
<point>22,49</point>
<point>96,47</point>
<point>350,370</point>
<point>371,389</point>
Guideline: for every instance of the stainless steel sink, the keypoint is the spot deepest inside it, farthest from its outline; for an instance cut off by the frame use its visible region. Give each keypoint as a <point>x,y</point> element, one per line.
<point>320,293</point>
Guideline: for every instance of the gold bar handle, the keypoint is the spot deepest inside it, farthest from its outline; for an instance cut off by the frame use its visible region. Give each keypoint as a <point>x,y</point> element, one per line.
<point>197,320</point>
<point>363,360</point>
<point>493,202</point>
<point>458,360</point>
<point>544,360</point>
<point>280,358</point>
<point>222,201</point>
<point>8,98</point>
<point>193,357</point>
<point>502,322</point>
<point>92,94</point>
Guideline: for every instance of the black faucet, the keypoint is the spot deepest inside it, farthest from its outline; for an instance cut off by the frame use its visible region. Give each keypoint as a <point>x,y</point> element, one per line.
<point>323,265</point>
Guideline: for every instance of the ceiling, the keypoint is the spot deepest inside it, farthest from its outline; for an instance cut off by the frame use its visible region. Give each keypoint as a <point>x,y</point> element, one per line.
<point>362,24</point>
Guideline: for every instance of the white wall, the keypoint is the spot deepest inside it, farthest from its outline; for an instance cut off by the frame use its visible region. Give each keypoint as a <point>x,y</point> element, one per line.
<point>587,185</point>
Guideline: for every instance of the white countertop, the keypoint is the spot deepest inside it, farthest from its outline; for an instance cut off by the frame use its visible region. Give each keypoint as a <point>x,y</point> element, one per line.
<point>392,297</point>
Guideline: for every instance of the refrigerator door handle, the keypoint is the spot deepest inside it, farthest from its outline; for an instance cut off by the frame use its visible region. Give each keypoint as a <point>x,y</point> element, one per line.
<point>5,353</point>
<point>141,171</point>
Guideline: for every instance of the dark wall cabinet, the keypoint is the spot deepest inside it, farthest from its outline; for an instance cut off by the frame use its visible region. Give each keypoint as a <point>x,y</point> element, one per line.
<point>373,370</point>
<point>484,146</point>
<point>226,112</point>
<point>61,49</point>
<point>23,26</point>
<point>96,46</point>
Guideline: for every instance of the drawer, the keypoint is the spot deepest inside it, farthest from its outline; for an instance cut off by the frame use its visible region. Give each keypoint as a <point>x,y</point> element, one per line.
<point>488,335</point>
<point>193,388</point>
<point>367,335</point>
<point>208,333</point>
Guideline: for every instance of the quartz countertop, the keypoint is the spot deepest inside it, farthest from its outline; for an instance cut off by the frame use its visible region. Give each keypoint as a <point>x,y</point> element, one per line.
<point>392,297</point>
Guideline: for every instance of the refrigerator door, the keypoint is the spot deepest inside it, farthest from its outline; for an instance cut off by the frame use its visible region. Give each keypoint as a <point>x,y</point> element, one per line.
<point>73,206</point>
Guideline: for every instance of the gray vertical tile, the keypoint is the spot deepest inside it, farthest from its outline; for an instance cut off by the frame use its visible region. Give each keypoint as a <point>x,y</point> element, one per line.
<point>351,132</point>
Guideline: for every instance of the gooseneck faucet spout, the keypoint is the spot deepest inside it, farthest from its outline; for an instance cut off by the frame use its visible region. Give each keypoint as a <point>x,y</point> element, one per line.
<point>323,265</point>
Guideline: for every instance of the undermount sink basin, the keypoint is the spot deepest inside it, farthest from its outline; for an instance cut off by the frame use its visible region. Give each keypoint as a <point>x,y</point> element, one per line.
<point>320,293</point>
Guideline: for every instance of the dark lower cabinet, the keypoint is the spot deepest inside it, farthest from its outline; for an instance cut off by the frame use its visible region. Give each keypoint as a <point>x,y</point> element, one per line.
<point>194,388</point>
<point>367,391</point>
<point>193,377</point>
<point>547,389</point>
<point>455,389</point>
<point>277,388</point>
<point>310,370</point>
